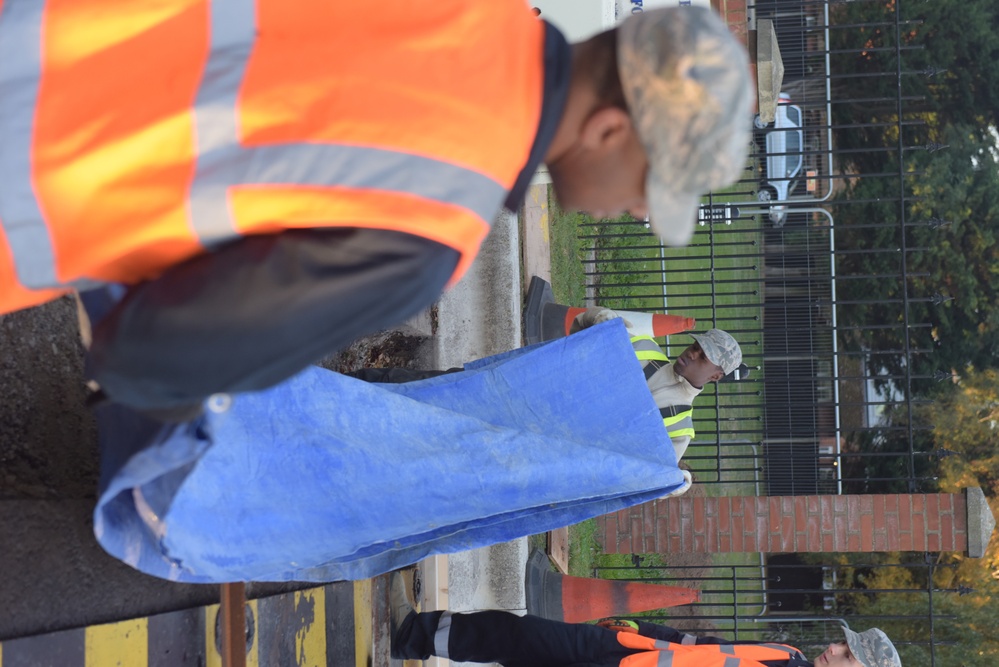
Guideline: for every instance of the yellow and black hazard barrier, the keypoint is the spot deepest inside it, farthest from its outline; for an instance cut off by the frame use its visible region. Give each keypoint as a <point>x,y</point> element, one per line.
<point>327,626</point>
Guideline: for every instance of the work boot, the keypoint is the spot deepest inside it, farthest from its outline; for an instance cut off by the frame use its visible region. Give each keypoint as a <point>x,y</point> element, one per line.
<point>402,614</point>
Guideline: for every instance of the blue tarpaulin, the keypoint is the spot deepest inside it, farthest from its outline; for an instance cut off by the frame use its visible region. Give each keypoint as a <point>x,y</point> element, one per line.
<point>326,477</point>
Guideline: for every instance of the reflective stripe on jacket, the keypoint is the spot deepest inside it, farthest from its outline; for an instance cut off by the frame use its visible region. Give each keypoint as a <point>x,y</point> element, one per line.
<point>658,653</point>
<point>677,422</point>
<point>135,135</point>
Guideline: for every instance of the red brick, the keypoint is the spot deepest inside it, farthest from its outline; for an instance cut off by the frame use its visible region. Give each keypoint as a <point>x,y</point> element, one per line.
<point>960,504</point>
<point>775,515</point>
<point>945,501</point>
<point>919,540</point>
<point>711,541</point>
<point>866,503</point>
<point>891,502</point>
<point>933,542</point>
<point>947,541</point>
<point>880,541</point>
<point>698,516</point>
<point>905,517</point>
<point>960,541</point>
<point>827,512</point>
<point>932,518</point>
<point>785,543</point>
<point>725,544</point>
<point>853,542</point>
<point>891,530</point>
<point>813,541</point>
<point>762,526</point>
<point>738,541</point>
<point>623,545</point>
<point>853,511</point>
<point>800,519</point>
<point>711,506</point>
<point>905,541</point>
<point>698,545</point>
<point>814,507</point>
<point>738,525</point>
<point>827,543</point>
<point>761,507</point>
<point>866,533</point>
<point>686,532</point>
<point>840,530</point>
<point>635,528</point>
<point>674,516</point>
<point>839,504</point>
<point>750,543</point>
<point>675,544</point>
<point>789,505</point>
<point>724,515</point>
<point>917,502</point>
<point>787,526</point>
<point>649,521</point>
<point>880,521</point>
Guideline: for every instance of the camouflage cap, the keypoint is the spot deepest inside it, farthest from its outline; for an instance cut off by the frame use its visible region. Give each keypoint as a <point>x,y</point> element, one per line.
<point>720,349</point>
<point>872,648</point>
<point>687,84</point>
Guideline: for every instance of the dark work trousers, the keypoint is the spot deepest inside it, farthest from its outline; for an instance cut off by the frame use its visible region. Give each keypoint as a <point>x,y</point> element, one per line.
<point>511,640</point>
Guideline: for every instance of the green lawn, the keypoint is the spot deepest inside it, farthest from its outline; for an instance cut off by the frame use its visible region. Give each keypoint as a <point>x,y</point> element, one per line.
<point>707,281</point>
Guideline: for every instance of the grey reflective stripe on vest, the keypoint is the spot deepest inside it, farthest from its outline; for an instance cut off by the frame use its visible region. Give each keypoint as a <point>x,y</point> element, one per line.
<point>223,163</point>
<point>731,662</point>
<point>20,78</point>
<point>665,659</point>
<point>442,636</point>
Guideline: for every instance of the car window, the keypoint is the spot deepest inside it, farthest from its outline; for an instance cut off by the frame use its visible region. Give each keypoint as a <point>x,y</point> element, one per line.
<point>793,142</point>
<point>794,115</point>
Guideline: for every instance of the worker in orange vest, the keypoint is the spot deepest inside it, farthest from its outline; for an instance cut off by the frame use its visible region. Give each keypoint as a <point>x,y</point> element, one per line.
<point>265,180</point>
<point>531,641</point>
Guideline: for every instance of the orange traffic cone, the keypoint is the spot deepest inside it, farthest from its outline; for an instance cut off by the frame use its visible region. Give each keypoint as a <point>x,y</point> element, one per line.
<point>559,597</point>
<point>546,320</point>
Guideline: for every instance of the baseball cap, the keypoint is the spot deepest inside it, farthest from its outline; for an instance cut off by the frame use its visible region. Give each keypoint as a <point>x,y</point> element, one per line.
<point>872,648</point>
<point>720,349</point>
<point>687,84</point>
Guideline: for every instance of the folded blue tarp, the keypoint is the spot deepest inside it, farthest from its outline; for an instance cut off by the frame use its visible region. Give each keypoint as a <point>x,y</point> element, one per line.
<point>326,477</point>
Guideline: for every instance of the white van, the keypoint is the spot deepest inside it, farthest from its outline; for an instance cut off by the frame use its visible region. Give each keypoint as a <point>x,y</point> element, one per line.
<point>784,144</point>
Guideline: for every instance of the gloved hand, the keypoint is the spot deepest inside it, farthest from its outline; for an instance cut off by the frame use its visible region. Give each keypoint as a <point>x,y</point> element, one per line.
<point>593,316</point>
<point>619,625</point>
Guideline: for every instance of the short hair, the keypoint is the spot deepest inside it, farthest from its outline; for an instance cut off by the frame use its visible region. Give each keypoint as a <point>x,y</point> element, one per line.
<point>599,57</point>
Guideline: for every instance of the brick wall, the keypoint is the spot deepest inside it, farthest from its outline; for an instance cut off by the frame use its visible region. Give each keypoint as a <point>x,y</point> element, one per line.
<point>734,13</point>
<point>892,522</point>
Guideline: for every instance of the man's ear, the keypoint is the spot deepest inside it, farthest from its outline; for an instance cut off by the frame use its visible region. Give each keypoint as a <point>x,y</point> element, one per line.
<point>606,127</point>
<point>717,375</point>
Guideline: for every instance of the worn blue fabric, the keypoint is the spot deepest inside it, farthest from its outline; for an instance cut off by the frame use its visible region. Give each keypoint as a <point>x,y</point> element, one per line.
<point>326,477</point>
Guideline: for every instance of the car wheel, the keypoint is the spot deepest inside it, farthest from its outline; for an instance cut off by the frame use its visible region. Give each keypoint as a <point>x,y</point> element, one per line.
<point>766,193</point>
<point>758,123</point>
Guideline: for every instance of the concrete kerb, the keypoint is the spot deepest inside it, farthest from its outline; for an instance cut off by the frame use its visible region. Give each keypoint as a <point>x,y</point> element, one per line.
<point>481,316</point>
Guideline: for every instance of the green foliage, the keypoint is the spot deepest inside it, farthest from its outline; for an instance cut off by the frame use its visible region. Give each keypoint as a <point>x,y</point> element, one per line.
<point>956,261</point>
<point>956,108</point>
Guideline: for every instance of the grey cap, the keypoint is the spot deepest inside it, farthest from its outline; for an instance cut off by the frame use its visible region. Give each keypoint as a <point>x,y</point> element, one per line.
<point>687,83</point>
<point>720,349</point>
<point>872,648</point>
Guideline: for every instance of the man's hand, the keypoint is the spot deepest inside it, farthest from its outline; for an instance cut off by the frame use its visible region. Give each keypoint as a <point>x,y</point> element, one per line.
<point>619,625</point>
<point>594,316</point>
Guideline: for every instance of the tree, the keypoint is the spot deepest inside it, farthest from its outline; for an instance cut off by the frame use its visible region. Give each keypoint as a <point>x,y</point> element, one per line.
<point>956,261</point>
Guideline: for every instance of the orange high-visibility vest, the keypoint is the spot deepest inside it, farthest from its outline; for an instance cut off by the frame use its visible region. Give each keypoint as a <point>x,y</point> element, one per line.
<point>136,134</point>
<point>658,653</point>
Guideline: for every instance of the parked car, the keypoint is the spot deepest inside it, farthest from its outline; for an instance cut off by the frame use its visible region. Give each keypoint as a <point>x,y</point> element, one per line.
<point>783,146</point>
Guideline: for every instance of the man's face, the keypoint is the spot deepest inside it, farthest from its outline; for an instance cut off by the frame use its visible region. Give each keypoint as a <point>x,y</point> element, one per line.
<point>603,173</point>
<point>837,655</point>
<point>695,368</point>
